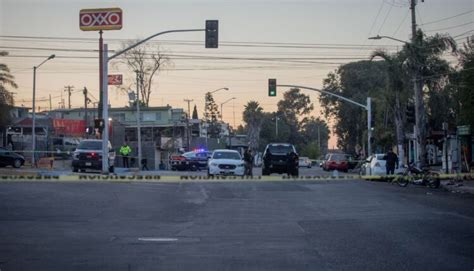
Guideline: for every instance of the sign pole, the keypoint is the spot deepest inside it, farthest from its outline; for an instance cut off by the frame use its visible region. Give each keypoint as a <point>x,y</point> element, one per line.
<point>101,78</point>
<point>105,113</point>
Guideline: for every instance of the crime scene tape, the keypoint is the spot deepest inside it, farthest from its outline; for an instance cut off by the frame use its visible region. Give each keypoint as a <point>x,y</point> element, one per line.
<point>159,178</point>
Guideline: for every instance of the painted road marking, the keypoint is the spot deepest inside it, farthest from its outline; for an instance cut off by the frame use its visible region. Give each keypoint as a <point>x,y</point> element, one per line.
<point>157,239</point>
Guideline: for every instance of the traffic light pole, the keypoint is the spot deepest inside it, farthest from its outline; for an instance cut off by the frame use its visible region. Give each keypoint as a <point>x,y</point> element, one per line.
<point>367,107</point>
<point>105,107</point>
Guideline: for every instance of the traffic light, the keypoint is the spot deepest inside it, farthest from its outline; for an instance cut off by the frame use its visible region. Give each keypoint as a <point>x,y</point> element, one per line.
<point>212,33</point>
<point>272,87</point>
<point>410,112</point>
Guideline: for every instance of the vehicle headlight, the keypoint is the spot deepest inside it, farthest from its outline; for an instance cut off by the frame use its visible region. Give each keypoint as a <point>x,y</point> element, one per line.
<point>213,164</point>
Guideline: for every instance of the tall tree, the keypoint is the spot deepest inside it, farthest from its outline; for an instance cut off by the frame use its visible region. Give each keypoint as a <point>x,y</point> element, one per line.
<point>315,133</point>
<point>424,57</point>
<point>356,81</point>
<point>466,96</point>
<point>212,116</point>
<point>148,60</point>
<point>6,97</point>
<point>295,108</point>
<point>396,94</point>
<point>195,113</point>
<point>253,117</point>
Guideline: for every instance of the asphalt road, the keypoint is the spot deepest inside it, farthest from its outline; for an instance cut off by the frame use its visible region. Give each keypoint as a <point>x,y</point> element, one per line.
<point>335,225</point>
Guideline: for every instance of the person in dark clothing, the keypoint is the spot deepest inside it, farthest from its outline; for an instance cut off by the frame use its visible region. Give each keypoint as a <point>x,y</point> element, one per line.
<point>248,158</point>
<point>391,160</point>
<point>144,164</point>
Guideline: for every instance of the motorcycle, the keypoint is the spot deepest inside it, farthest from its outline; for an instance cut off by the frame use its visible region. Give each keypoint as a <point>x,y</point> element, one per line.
<point>416,175</point>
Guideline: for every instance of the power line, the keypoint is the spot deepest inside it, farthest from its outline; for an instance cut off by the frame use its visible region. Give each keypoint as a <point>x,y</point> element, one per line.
<point>385,19</point>
<point>401,23</point>
<point>450,27</point>
<point>447,18</point>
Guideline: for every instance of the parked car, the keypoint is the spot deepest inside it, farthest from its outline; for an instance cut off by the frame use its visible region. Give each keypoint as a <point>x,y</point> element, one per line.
<point>304,162</point>
<point>88,155</point>
<point>193,160</point>
<point>375,165</point>
<point>336,161</point>
<point>226,162</point>
<point>280,158</point>
<point>11,158</point>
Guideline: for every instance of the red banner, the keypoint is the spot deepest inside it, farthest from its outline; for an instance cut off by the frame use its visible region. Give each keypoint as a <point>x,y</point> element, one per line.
<point>69,127</point>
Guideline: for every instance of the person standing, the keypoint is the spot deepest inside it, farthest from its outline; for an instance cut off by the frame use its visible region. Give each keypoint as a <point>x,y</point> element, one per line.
<point>391,160</point>
<point>248,158</point>
<point>125,150</point>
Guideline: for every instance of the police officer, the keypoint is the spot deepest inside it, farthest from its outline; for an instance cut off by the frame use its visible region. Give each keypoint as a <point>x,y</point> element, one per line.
<point>391,160</point>
<point>125,150</point>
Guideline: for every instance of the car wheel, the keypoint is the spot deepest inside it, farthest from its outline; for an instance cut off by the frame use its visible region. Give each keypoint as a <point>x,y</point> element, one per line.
<point>265,172</point>
<point>111,169</point>
<point>17,163</point>
<point>74,169</point>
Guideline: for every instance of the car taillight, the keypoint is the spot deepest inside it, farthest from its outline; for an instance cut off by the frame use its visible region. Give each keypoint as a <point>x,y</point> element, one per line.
<point>93,154</point>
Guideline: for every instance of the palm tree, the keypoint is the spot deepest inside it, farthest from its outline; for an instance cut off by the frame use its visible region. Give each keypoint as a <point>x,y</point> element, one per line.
<point>424,60</point>
<point>396,91</point>
<point>6,97</point>
<point>253,116</point>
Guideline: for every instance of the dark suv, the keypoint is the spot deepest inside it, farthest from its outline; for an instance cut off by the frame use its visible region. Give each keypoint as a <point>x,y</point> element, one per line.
<point>280,158</point>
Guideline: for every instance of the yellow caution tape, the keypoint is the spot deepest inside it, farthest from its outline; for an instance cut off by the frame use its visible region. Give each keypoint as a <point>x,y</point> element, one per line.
<point>157,178</point>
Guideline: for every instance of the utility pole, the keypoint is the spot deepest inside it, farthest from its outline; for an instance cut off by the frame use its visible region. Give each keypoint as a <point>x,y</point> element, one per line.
<point>86,101</point>
<point>419,104</point>
<point>188,136</point>
<point>68,89</point>
<point>139,132</point>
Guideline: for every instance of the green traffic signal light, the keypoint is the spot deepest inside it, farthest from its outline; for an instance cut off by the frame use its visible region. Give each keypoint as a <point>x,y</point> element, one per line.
<point>272,87</point>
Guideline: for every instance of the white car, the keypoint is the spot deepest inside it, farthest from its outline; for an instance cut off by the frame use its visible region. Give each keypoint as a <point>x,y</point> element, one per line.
<point>226,162</point>
<point>304,162</point>
<point>375,166</point>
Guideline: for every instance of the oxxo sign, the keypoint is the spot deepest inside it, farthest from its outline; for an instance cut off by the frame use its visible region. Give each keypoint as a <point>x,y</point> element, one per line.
<point>100,19</point>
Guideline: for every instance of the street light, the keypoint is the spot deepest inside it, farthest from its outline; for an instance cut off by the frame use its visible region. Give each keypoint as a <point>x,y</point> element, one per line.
<point>378,37</point>
<point>217,90</point>
<point>33,125</point>
<point>222,112</point>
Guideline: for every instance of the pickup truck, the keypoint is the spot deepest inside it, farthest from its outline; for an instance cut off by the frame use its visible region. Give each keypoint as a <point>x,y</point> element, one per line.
<point>88,155</point>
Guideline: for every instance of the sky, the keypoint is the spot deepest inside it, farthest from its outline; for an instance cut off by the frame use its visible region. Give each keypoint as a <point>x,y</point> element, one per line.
<point>297,41</point>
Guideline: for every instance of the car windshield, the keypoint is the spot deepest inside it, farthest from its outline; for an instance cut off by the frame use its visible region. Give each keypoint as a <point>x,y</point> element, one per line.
<point>189,154</point>
<point>338,157</point>
<point>280,148</point>
<point>90,145</point>
<point>226,155</point>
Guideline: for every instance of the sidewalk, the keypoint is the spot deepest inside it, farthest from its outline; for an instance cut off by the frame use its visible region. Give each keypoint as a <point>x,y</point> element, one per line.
<point>463,186</point>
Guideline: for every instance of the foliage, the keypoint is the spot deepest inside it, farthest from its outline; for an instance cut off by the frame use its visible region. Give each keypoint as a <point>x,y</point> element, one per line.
<point>195,113</point>
<point>311,150</point>
<point>148,60</point>
<point>355,81</point>
<point>295,108</point>
<point>6,97</point>
<point>211,116</point>
<point>466,84</point>
<point>252,116</point>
